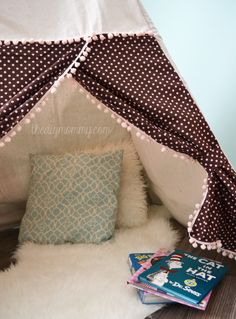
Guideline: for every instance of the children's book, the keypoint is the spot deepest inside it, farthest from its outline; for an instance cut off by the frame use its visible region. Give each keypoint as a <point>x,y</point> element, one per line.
<point>146,288</point>
<point>185,276</point>
<point>136,260</point>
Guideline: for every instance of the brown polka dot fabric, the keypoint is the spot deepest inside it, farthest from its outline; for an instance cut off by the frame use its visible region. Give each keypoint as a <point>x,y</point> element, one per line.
<point>133,77</point>
<point>27,71</point>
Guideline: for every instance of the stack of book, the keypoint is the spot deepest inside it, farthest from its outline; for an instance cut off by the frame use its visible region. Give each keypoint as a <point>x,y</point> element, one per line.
<point>177,276</point>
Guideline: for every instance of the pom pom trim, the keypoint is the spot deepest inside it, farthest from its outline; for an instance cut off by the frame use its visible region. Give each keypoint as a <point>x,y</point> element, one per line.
<point>94,37</point>
<point>215,245</point>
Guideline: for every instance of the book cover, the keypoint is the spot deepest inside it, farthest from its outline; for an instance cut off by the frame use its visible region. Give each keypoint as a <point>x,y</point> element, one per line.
<point>136,260</point>
<point>184,276</point>
<point>165,297</point>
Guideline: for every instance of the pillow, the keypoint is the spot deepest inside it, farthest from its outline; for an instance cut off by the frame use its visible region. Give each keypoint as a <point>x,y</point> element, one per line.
<point>132,201</point>
<point>72,198</point>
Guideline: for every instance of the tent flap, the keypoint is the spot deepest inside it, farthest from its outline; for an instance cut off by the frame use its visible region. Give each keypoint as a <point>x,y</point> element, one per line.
<point>134,80</point>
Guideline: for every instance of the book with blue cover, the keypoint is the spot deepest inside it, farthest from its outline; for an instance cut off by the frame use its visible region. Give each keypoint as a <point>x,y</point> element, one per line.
<point>136,260</point>
<point>184,275</point>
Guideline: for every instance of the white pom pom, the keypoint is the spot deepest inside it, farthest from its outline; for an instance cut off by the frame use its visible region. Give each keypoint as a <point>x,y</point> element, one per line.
<point>204,186</point>
<point>77,64</point>
<point>218,250</point>
<point>2,144</point>
<point>175,155</point>
<point>219,244</point>
<point>23,41</point>
<point>142,137</point>
<point>69,75</point>
<point>7,139</point>
<point>89,40</point>
<point>124,35</point>
<point>189,224</point>
<point>81,90</point>
<point>182,157</point>
<point>70,40</point>
<point>82,58</point>
<point>15,42</point>
<point>88,49</point>
<point>163,149</point>
<point>53,90</point>
<point>124,125</point>
<point>205,181</point>
<point>95,37</point>
<point>209,247</point>
<point>64,41</point>
<point>93,101</point>
<point>85,53</point>
<point>48,42</point>
<point>231,256</point>
<point>73,70</point>
<point>191,217</point>
<point>150,32</point>
<point>224,253</point>
<point>195,245</point>
<point>102,37</point>
<point>106,110</point>
<point>113,116</point>
<point>129,128</point>
<point>99,106</point>
<point>19,128</point>
<point>195,212</point>
<point>197,206</point>
<point>77,39</point>
<point>189,229</point>
<point>110,35</point>
<point>118,121</point>
<point>138,134</point>
<point>213,246</point>
<point>32,115</point>
<point>57,41</point>
<point>7,42</point>
<point>38,109</point>
<point>57,83</point>
<point>40,41</point>
<point>203,246</point>
<point>27,121</point>
<point>13,133</point>
<point>191,240</point>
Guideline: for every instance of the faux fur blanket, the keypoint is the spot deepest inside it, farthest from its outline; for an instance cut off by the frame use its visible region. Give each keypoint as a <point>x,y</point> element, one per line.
<point>81,281</point>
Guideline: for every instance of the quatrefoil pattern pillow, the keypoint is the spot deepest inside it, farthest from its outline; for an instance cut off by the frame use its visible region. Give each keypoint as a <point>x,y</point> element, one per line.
<point>72,198</point>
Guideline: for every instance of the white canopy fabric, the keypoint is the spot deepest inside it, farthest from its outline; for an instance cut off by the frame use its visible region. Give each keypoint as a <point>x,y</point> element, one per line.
<point>65,19</point>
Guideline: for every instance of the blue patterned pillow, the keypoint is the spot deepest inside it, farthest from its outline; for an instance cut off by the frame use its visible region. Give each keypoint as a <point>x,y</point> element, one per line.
<point>72,198</point>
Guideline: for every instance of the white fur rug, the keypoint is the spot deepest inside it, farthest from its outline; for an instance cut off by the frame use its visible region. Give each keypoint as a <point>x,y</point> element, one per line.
<point>81,281</point>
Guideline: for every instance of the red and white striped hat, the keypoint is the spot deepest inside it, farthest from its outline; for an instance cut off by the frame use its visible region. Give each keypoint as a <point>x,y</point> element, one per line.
<point>176,257</point>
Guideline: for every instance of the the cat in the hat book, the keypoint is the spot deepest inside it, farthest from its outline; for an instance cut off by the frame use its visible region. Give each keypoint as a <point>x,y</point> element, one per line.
<point>184,275</point>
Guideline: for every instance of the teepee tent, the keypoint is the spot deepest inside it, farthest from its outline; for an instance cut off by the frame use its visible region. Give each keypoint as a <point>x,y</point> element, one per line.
<point>102,65</point>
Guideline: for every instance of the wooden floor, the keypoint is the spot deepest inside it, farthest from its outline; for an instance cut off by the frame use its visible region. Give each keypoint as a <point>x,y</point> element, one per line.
<point>222,304</point>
